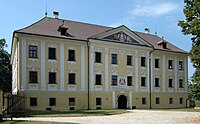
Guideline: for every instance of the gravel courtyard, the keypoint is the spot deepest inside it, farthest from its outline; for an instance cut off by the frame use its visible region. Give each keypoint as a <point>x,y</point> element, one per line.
<point>133,117</point>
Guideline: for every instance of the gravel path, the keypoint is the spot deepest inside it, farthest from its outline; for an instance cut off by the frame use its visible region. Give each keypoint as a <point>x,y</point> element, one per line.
<point>134,116</point>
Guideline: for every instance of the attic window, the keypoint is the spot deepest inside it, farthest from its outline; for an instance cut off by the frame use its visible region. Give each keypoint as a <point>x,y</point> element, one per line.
<point>63,30</point>
<point>163,44</point>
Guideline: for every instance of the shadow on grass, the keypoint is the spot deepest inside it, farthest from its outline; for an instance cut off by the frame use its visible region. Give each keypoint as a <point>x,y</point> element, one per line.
<point>31,113</point>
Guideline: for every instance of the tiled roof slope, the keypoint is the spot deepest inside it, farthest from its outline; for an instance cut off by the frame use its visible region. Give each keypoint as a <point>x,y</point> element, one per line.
<point>49,27</point>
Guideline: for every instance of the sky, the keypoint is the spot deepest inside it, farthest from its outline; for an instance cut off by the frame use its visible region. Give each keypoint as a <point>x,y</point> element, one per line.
<point>158,15</point>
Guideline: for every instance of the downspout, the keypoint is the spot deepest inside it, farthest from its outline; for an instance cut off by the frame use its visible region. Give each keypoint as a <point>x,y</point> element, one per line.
<point>150,78</point>
<point>88,93</point>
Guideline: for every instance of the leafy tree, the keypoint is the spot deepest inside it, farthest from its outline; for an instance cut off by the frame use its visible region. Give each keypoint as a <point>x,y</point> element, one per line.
<point>5,68</point>
<point>191,25</point>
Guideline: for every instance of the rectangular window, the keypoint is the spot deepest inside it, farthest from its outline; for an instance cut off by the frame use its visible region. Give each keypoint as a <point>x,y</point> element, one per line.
<point>180,83</point>
<point>156,63</point>
<point>114,79</point>
<point>98,79</point>
<point>52,78</point>
<point>157,100</point>
<point>170,64</point>
<point>157,82</point>
<point>98,101</point>
<point>52,101</point>
<point>129,80</point>
<point>72,78</point>
<point>52,53</point>
<point>71,55</point>
<point>33,78</point>
<point>129,60</point>
<point>170,82</point>
<point>181,101</point>
<point>98,57</point>
<point>114,59</point>
<point>170,100</point>
<point>180,65</point>
<point>32,51</point>
<point>144,101</point>
<point>143,81</point>
<point>71,101</point>
<point>143,61</point>
<point>33,101</point>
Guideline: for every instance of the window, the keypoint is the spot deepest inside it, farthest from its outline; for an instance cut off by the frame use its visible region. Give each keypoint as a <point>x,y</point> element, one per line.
<point>52,77</point>
<point>143,81</point>
<point>114,59</point>
<point>143,61</point>
<point>52,53</point>
<point>156,63</point>
<point>71,101</point>
<point>52,101</point>
<point>32,51</point>
<point>129,60</point>
<point>114,79</point>
<point>33,77</point>
<point>170,82</point>
<point>170,100</point>
<point>180,65</point>
<point>97,57</point>
<point>181,101</point>
<point>180,83</point>
<point>98,101</point>
<point>33,101</point>
<point>129,80</point>
<point>72,78</point>
<point>144,101</point>
<point>170,63</point>
<point>71,55</point>
<point>157,100</point>
<point>157,82</point>
<point>98,79</point>
<point>98,108</point>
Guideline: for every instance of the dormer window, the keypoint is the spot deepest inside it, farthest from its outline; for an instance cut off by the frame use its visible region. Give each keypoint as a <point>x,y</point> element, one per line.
<point>63,30</point>
<point>163,44</point>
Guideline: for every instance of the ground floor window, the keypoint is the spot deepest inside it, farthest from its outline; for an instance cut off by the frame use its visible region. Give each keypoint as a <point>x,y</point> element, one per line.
<point>52,101</point>
<point>157,100</point>
<point>98,101</point>
<point>71,101</point>
<point>181,101</point>
<point>33,101</point>
<point>170,100</point>
<point>144,101</point>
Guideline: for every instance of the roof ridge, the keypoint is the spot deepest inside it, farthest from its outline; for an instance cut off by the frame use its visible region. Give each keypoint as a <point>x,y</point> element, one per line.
<point>98,25</point>
<point>30,25</point>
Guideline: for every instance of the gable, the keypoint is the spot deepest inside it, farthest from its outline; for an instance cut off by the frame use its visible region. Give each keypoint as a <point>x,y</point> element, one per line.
<point>122,34</point>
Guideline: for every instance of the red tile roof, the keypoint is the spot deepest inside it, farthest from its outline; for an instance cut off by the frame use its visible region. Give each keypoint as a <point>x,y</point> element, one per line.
<point>82,31</point>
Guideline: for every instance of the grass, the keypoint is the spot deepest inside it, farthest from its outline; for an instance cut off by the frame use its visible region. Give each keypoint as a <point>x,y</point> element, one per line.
<point>180,109</point>
<point>73,113</point>
<point>33,122</point>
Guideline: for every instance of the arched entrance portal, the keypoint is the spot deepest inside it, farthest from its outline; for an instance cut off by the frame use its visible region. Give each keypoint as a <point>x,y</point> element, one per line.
<point>122,102</point>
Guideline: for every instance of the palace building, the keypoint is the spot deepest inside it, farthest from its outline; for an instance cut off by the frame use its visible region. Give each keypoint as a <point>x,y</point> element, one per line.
<point>65,65</point>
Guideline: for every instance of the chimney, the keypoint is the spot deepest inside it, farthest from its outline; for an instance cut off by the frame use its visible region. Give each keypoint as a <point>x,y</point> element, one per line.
<point>55,14</point>
<point>147,30</point>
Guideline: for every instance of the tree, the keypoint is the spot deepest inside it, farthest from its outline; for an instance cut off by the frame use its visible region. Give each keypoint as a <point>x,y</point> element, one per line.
<point>191,25</point>
<point>5,68</point>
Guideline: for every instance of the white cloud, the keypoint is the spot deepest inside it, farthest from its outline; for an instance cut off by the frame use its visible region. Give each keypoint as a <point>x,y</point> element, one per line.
<point>152,9</point>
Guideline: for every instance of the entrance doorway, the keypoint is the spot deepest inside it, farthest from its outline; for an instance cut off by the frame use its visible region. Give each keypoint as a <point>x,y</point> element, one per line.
<point>122,102</point>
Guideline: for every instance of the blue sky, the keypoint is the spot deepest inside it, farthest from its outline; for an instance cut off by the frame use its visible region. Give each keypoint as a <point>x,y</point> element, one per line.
<point>162,15</point>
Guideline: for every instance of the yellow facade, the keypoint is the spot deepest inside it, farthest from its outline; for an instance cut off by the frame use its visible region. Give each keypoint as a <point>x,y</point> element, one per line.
<point>85,69</point>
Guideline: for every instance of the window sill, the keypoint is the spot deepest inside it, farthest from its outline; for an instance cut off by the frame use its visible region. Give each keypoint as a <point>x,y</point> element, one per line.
<point>52,60</point>
<point>33,59</point>
<point>98,84</point>
<point>33,82</point>
<point>71,84</point>
<point>71,62</point>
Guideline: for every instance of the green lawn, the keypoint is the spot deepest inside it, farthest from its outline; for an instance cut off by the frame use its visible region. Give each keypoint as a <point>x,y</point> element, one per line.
<point>73,113</point>
<point>33,122</point>
<point>181,109</point>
